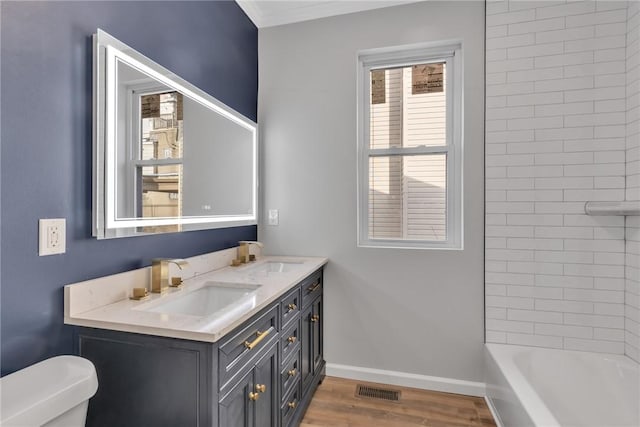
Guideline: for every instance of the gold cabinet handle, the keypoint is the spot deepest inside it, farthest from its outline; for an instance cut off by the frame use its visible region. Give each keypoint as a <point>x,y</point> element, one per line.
<point>315,318</point>
<point>292,307</point>
<point>292,339</point>
<point>254,396</point>
<point>313,287</point>
<point>260,337</point>
<point>292,373</point>
<point>292,405</point>
<point>261,388</point>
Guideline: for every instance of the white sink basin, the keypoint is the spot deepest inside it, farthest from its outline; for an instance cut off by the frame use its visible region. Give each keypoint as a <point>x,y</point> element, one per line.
<point>209,299</point>
<point>276,267</point>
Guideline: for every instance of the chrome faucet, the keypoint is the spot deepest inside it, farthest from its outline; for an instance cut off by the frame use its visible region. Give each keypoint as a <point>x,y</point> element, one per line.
<point>160,274</point>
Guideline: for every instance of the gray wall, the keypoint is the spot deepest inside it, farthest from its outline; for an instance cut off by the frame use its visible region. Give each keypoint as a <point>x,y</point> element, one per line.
<point>414,311</point>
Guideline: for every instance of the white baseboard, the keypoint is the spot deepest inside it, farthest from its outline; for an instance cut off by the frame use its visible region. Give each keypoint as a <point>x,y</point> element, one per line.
<point>404,379</point>
<point>493,411</point>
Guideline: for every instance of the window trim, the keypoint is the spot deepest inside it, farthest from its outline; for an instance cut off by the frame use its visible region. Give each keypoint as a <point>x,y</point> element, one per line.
<point>402,56</point>
<point>134,144</point>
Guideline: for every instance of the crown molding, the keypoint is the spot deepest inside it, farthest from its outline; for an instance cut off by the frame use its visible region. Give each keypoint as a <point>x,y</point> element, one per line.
<point>270,13</point>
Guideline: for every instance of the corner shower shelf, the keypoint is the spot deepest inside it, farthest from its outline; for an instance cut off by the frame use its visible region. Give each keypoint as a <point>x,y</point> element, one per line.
<point>612,208</point>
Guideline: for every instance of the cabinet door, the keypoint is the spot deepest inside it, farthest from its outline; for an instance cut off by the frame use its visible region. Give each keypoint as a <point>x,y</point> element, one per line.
<point>138,377</point>
<point>306,367</point>
<point>316,335</point>
<point>266,384</point>
<point>236,408</point>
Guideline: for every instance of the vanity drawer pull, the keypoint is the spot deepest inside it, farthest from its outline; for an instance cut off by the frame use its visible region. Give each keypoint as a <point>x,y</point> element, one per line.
<point>315,318</point>
<point>253,396</point>
<point>261,388</point>
<point>311,289</point>
<point>260,337</point>
<point>290,340</point>
<point>290,402</point>
<point>290,307</point>
<point>236,351</point>
<point>290,380</point>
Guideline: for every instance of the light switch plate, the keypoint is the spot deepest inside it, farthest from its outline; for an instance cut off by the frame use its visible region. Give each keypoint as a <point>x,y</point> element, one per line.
<point>273,216</point>
<point>52,236</point>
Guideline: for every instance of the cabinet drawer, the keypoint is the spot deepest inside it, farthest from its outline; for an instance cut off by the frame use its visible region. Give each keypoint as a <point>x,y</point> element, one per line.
<point>290,306</point>
<point>236,352</point>
<point>291,402</point>
<point>311,288</point>
<point>290,374</point>
<point>290,341</point>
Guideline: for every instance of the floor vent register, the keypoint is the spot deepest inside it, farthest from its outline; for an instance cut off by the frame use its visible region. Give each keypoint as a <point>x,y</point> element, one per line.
<point>377,393</point>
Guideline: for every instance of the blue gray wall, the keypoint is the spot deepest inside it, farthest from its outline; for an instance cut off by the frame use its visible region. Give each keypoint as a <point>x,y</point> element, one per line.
<point>46,145</point>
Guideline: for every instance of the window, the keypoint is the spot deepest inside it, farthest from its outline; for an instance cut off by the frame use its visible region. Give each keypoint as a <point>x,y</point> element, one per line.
<point>155,168</point>
<point>410,147</point>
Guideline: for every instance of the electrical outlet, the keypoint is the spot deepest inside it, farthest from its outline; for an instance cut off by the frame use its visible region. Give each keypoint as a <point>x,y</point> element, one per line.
<point>273,217</point>
<point>52,236</point>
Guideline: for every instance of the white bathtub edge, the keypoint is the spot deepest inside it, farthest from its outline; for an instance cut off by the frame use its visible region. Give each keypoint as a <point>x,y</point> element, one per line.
<point>507,387</point>
<point>494,412</point>
<point>405,379</point>
<point>511,379</point>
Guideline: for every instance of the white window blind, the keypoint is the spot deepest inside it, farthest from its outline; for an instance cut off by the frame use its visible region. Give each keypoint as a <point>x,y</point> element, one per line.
<point>410,144</point>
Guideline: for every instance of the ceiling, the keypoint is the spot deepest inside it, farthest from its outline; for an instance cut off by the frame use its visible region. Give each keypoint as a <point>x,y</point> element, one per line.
<point>269,13</point>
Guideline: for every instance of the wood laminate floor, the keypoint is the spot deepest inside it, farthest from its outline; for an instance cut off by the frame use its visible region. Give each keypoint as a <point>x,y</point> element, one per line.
<point>335,404</point>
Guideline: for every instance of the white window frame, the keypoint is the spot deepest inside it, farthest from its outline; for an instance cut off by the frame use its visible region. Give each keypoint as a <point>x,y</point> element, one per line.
<point>134,121</point>
<point>449,52</point>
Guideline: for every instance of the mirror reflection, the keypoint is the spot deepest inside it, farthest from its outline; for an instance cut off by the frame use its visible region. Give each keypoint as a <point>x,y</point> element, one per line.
<point>159,168</point>
<point>174,158</point>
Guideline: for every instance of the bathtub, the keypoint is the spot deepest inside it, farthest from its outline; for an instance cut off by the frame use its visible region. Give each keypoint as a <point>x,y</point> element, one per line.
<point>530,386</point>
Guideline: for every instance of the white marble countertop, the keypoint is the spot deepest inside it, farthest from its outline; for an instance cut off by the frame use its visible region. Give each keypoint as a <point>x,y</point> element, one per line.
<point>103,303</point>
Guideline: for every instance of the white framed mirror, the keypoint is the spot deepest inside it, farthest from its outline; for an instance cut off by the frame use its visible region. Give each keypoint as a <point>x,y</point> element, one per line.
<point>168,157</point>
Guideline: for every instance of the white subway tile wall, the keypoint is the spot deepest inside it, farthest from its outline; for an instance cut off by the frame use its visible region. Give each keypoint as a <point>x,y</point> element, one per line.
<point>562,128</point>
<point>632,229</point>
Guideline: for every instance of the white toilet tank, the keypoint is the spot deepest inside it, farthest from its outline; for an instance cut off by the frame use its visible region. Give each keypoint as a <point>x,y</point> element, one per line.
<point>51,393</point>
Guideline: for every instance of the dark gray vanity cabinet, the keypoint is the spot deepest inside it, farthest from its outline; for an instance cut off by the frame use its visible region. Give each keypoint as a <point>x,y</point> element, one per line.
<point>309,359</point>
<point>253,401</point>
<point>148,381</point>
<point>261,374</point>
<point>312,342</point>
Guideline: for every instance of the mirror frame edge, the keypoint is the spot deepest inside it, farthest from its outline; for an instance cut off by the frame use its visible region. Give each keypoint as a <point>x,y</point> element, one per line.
<point>100,40</point>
